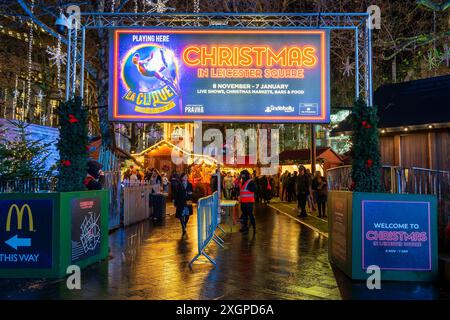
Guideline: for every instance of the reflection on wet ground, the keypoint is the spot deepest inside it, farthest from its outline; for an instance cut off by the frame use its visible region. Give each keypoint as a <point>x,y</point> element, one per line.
<point>283,260</point>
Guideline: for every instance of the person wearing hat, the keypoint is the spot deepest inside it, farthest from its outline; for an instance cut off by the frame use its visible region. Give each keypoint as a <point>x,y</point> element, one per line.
<point>95,176</point>
<point>247,190</point>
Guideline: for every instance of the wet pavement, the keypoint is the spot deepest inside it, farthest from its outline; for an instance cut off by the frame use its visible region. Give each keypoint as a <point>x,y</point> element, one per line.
<point>312,220</point>
<point>283,260</point>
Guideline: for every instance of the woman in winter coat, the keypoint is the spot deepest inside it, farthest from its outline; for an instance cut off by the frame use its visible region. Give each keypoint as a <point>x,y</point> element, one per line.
<point>183,201</point>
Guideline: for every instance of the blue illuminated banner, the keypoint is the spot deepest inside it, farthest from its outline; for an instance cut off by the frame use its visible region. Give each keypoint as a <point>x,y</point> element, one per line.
<point>396,235</point>
<point>219,75</point>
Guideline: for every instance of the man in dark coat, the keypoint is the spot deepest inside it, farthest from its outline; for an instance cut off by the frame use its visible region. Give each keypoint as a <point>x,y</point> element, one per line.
<point>214,181</point>
<point>183,201</point>
<point>174,182</point>
<point>303,187</point>
<point>291,187</point>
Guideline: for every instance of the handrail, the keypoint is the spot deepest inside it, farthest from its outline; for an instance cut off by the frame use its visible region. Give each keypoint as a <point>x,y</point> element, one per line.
<point>430,170</point>
<point>384,166</point>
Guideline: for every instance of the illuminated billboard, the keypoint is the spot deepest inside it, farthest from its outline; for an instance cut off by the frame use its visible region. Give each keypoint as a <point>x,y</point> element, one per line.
<point>393,240</point>
<point>219,75</point>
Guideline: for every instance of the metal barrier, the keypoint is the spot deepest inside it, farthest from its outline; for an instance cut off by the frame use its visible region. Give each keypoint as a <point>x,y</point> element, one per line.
<point>207,223</point>
<point>136,204</point>
<point>407,181</point>
<point>43,184</point>
<point>113,183</point>
<point>340,178</point>
<point>426,181</point>
<point>48,184</point>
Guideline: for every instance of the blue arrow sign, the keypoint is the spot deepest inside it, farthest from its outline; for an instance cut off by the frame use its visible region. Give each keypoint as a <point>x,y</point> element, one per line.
<point>16,242</point>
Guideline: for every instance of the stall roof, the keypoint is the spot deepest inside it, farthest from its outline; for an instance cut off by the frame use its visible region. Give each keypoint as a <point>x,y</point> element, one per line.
<point>304,154</point>
<point>95,145</point>
<point>413,103</point>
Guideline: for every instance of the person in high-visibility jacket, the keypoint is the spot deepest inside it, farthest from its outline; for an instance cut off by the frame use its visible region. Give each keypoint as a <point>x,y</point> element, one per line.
<point>247,190</point>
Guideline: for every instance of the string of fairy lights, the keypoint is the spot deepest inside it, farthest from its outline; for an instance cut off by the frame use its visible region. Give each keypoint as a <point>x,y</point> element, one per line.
<point>15,96</point>
<point>30,63</point>
<point>22,98</point>
<point>58,65</point>
<point>22,95</point>
<point>5,101</point>
<point>196,6</point>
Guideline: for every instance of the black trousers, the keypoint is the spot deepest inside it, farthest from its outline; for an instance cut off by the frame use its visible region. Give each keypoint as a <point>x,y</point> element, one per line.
<point>184,220</point>
<point>290,196</point>
<point>322,205</point>
<point>247,212</point>
<point>302,199</point>
<point>283,195</point>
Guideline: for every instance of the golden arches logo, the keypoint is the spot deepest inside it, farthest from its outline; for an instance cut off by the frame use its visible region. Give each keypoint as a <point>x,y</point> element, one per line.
<point>19,214</point>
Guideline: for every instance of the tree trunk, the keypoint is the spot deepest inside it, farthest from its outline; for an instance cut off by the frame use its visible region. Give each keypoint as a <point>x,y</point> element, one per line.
<point>394,70</point>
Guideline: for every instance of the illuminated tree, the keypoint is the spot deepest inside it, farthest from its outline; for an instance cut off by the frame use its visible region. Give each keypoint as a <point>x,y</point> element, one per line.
<point>21,157</point>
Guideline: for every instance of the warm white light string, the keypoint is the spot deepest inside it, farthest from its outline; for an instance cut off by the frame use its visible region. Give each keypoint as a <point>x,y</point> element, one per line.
<point>15,96</point>
<point>58,67</point>
<point>196,6</point>
<point>6,103</point>
<point>30,57</point>
<point>159,6</point>
<point>23,99</point>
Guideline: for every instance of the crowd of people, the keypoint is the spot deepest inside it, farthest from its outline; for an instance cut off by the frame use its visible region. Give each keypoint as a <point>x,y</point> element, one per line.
<point>181,189</point>
<point>265,186</point>
<point>309,191</point>
<point>158,181</point>
<point>301,186</point>
<point>306,189</point>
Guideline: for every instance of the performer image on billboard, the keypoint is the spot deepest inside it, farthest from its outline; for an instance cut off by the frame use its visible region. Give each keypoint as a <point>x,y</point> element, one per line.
<point>154,66</point>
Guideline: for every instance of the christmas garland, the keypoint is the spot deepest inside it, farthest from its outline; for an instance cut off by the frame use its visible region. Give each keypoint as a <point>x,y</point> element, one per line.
<point>366,165</point>
<point>72,145</point>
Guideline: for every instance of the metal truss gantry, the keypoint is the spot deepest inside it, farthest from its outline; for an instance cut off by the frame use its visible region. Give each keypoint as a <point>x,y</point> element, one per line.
<point>358,22</point>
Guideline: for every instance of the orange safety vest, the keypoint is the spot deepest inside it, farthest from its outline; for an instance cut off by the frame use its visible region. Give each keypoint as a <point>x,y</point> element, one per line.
<point>245,195</point>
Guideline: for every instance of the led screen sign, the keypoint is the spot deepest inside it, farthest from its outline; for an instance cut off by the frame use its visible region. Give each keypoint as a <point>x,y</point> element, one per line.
<point>219,75</point>
<point>396,235</point>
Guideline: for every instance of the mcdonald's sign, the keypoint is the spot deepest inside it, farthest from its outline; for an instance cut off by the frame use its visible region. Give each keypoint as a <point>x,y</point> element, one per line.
<point>26,232</point>
<point>19,215</point>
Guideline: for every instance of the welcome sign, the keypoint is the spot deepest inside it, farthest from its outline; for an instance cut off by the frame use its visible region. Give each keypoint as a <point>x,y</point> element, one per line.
<point>219,75</point>
<point>396,235</point>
